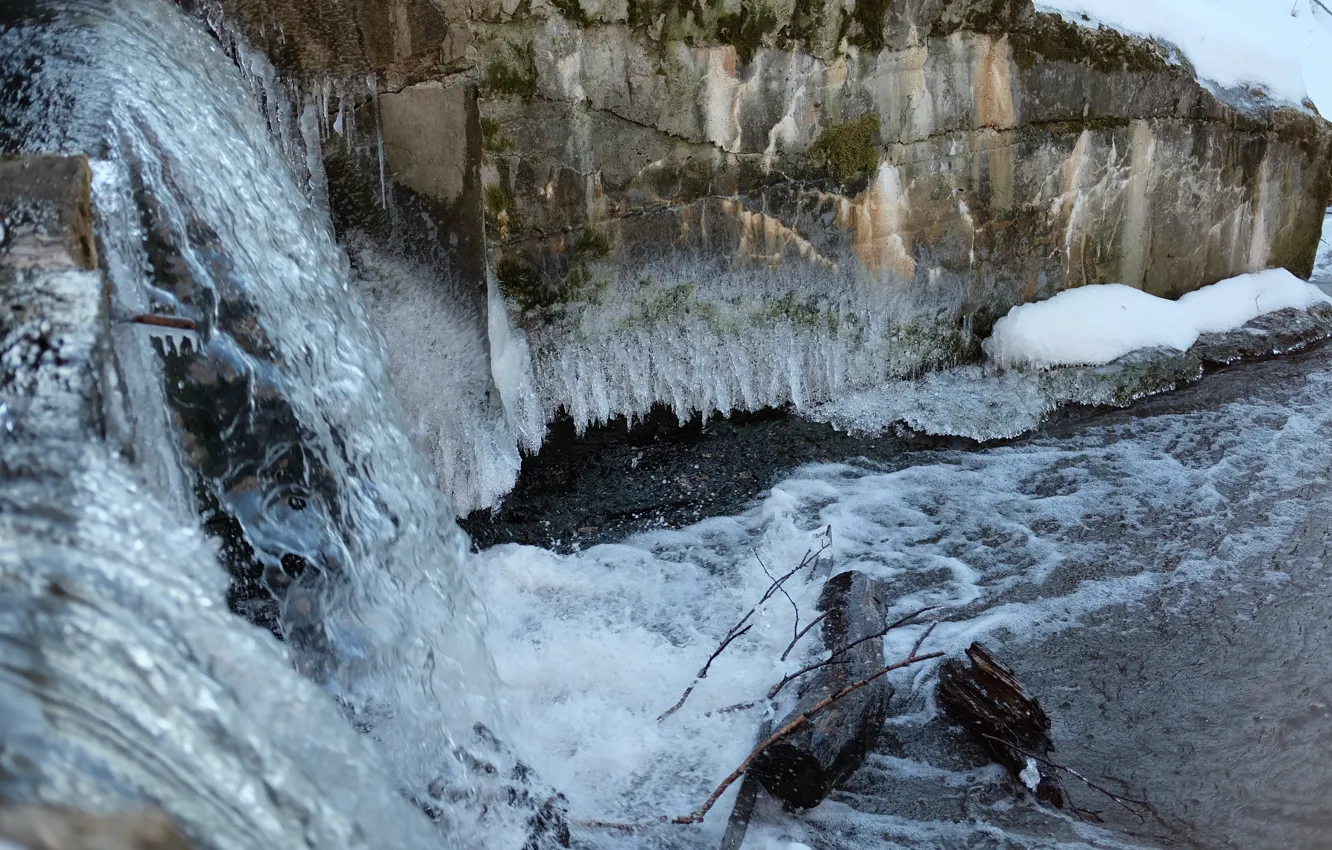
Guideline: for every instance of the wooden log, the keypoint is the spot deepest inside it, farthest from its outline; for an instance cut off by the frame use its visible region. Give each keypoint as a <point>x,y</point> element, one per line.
<point>802,768</point>
<point>1008,723</point>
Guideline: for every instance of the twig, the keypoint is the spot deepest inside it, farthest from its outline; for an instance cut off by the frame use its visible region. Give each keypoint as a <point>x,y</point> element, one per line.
<point>921,640</point>
<point>739,706</point>
<point>812,623</point>
<point>833,658</point>
<point>795,628</point>
<point>703,673</point>
<point>624,827</point>
<point>697,815</point>
<point>736,631</point>
<point>1122,801</point>
<point>164,321</point>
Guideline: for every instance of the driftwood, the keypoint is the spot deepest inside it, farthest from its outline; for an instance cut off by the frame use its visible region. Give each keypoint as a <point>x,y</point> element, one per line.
<point>1007,722</point>
<point>803,767</point>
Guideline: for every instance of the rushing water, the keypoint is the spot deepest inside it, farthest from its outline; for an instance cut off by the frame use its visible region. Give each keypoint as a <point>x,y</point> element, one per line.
<point>285,413</point>
<point>1157,576</point>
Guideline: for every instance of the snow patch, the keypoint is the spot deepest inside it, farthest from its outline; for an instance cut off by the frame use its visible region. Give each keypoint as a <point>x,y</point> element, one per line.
<point>1030,775</point>
<point>1092,325</point>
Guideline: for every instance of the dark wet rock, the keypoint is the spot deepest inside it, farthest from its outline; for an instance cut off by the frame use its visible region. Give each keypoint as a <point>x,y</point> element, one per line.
<point>522,790</point>
<point>62,828</point>
<point>1275,333</point>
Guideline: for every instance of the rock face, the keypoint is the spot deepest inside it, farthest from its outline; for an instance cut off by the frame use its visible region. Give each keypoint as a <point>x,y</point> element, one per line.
<point>833,193</point>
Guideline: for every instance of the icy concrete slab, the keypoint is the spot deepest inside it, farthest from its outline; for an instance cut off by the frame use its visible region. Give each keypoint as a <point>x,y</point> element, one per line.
<point>53,307</point>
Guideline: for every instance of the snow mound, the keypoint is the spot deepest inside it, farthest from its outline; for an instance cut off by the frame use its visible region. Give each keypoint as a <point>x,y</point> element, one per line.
<point>1092,325</point>
<point>1284,46</point>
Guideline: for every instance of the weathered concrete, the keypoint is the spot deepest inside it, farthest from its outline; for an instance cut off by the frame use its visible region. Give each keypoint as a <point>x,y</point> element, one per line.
<point>46,213</point>
<point>62,828</point>
<point>53,302</point>
<point>877,182</point>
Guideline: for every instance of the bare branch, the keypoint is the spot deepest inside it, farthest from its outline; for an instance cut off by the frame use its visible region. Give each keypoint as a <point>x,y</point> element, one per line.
<point>739,706</point>
<point>1122,801</point>
<point>834,657</point>
<point>702,811</point>
<point>812,623</point>
<point>811,556</point>
<point>795,628</point>
<point>920,640</point>
<point>703,673</point>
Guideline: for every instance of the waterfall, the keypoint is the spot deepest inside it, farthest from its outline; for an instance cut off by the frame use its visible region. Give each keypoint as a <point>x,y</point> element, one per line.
<point>283,414</point>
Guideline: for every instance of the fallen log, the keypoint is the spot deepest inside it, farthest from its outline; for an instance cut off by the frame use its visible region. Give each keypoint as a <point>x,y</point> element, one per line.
<point>803,767</point>
<point>987,700</point>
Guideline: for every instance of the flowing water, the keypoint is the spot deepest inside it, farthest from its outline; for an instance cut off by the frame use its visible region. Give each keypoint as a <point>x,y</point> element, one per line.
<point>1157,575</point>
<point>281,404</point>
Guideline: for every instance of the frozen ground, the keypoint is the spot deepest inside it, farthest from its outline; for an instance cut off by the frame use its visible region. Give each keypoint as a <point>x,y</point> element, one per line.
<point>1156,575</point>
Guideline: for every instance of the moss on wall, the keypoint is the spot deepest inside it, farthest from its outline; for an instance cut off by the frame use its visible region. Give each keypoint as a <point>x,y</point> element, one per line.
<point>849,151</point>
<point>493,140</point>
<point>747,28</point>
<point>501,213</point>
<point>513,77</point>
<point>1050,38</point>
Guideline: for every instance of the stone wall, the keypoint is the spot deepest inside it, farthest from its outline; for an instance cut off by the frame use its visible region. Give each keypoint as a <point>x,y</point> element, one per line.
<point>917,165</point>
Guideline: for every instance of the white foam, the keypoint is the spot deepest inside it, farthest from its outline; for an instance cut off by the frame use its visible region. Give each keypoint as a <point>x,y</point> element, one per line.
<point>1030,538</point>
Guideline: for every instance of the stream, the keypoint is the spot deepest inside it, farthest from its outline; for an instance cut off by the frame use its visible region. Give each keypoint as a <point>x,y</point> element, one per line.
<point>1156,575</point>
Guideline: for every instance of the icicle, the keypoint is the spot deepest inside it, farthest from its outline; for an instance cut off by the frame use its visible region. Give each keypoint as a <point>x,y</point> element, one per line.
<point>373,84</point>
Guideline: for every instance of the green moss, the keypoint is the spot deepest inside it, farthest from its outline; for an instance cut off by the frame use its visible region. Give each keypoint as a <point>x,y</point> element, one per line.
<point>493,139</point>
<point>592,244</point>
<point>992,17</point>
<point>848,151</point>
<point>512,79</point>
<point>1050,38</point>
<point>795,311</point>
<point>932,345</point>
<point>501,214</point>
<point>673,302</point>
<point>803,30</point>
<point>573,10</point>
<point>521,283</point>
<point>869,17</point>
<point>685,20</point>
<point>746,29</point>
